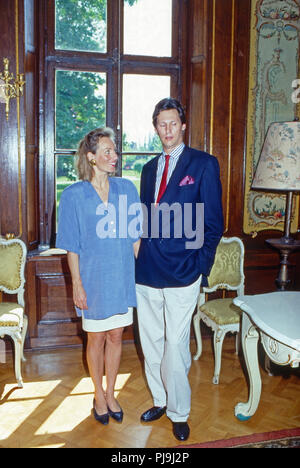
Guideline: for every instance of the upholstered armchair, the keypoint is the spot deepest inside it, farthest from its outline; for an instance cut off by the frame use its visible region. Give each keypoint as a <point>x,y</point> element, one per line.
<point>13,321</point>
<point>221,314</point>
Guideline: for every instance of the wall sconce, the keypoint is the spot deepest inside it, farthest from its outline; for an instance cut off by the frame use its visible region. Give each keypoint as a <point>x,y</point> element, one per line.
<point>9,87</point>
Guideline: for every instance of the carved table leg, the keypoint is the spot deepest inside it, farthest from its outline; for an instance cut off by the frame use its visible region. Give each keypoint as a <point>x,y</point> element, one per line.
<point>244,411</point>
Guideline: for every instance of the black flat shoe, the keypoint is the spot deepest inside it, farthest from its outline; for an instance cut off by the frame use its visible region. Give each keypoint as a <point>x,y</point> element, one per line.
<point>102,418</point>
<point>181,430</point>
<point>153,413</point>
<point>116,415</point>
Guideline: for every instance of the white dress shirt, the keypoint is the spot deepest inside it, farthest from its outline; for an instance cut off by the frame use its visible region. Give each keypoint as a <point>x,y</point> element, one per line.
<point>174,156</point>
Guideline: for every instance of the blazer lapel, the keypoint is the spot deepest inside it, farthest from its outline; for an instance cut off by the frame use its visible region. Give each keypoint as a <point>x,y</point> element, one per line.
<point>150,182</point>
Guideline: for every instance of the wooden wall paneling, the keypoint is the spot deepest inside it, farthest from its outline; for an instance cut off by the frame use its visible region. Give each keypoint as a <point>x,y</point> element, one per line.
<point>219,52</point>
<point>31,115</point>
<point>238,114</point>
<point>31,302</point>
<point>221,100</point>
<point>12,137</point>
<point>52,317</point>
<point>42,41</point>
<point>18,192</point>
<point>18,136</point>
<point>32,196</point>
<point>197,69</point>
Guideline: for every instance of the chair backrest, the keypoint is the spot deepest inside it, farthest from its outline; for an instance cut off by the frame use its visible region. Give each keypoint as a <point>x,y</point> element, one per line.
<point>228,269</point>
<point>12,267</point>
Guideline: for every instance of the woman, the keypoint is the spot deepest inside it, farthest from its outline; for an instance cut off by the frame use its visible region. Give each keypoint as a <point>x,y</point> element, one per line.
<point>92,216</point>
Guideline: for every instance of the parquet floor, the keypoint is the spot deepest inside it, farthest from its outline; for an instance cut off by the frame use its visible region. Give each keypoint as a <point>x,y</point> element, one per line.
<point>54,407</point>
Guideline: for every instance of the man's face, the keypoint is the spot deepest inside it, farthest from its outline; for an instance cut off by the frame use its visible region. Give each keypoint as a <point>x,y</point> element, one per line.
<point>170,129</point>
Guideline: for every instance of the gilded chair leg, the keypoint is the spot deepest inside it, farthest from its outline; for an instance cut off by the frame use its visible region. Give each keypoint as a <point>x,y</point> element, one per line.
<point>197,330</point>
<point>23,334</point>
<point>18,344</point>
<point>218,343</point>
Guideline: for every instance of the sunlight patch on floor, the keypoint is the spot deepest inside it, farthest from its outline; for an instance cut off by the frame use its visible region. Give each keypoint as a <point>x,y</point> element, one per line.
<point>76,407</point>
<point>85,385</point>
<point>68,415</point>
<point>29,390</point>
<point>17,404</point>
<point>9,423</point>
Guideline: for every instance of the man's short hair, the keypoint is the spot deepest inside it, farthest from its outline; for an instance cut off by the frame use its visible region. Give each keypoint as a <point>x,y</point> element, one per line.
<point>166,104</point>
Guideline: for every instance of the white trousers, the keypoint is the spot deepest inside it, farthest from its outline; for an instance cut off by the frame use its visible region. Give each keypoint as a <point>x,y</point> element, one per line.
<point>164,318</point>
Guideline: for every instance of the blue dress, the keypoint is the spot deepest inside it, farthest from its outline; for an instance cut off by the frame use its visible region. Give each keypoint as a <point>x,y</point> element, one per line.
<point>102,235</point>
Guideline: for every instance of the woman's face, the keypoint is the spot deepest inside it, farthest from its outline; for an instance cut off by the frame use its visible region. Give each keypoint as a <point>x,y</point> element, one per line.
<point>106,157</point>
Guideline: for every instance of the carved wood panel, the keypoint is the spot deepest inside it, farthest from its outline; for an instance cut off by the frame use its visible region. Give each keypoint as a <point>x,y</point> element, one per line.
<point>52,317</point>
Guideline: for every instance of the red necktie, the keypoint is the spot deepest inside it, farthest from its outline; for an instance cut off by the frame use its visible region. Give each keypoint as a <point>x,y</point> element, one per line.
<point>163,183</point>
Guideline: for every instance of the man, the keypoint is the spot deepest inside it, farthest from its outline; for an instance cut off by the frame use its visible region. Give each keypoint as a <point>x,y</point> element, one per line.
<point>172,260</point>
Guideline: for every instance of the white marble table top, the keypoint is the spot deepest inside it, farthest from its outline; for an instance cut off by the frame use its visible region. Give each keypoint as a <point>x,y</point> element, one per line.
<point>277,314</point>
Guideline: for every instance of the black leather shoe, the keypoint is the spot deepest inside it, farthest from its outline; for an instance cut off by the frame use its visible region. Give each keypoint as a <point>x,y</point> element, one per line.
<point>116,415</point>
<point>153,413</point>
<point>102,418</point>
<point>181,430</point>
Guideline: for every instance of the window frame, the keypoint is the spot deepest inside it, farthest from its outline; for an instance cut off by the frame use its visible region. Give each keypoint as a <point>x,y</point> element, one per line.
<point>115,64</point>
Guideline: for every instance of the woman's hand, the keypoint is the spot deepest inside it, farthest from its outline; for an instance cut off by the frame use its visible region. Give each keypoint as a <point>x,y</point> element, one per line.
<point>79,295</point>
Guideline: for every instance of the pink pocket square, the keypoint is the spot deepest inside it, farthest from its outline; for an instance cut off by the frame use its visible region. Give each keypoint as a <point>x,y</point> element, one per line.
<point>187,180</point>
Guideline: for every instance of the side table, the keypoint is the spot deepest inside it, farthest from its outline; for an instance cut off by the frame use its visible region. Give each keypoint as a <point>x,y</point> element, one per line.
<point>275,318</point>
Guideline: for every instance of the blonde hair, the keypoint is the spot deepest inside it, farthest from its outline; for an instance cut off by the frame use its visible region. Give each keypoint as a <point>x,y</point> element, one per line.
<point>89,144</point>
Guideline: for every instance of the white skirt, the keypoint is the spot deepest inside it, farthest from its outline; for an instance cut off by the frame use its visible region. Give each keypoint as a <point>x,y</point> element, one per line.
<point>115,321</point>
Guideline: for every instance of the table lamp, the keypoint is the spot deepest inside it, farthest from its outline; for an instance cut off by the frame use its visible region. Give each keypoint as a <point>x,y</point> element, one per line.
<point>278,169</point>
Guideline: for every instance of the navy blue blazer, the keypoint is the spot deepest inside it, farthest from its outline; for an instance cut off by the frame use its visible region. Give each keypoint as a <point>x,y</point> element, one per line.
<point>164,261</point>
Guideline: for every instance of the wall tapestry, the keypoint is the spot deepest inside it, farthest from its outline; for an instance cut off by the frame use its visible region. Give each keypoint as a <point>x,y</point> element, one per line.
<point>274,66</point>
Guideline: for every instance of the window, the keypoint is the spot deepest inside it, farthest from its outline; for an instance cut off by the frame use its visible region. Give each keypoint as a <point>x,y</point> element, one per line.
<point>140,142</point>
<point>105,62</point>
<point>81,25</point>
<point>148,28</point>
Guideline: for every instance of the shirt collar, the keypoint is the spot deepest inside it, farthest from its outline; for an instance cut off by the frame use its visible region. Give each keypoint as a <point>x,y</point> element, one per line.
<point>176,152</point>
